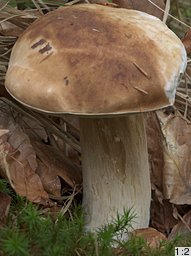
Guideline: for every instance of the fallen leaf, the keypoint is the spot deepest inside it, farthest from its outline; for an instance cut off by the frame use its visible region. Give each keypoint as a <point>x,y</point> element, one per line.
<point>188,70</point>
<point>152,237</point>
<point>161,210</point>
<point>34,170</point>
<point>187,41</point>
<point>18,160</point>
<point>162,216</point>
<point>183,227</point>
<point>177,149</point>
<point>56,165</point>
<point>155,150</point>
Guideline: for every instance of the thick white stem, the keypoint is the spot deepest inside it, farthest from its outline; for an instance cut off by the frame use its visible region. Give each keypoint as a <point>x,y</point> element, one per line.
<point>115,170</point>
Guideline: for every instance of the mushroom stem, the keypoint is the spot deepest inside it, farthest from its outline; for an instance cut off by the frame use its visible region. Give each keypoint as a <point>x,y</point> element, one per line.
<point>115,170</point>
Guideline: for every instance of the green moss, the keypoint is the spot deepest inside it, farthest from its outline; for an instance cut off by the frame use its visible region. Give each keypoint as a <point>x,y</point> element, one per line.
<point>31,232</point>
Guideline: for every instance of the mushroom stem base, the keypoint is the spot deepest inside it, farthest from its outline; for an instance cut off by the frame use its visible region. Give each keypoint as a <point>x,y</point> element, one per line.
<point>115,170</point>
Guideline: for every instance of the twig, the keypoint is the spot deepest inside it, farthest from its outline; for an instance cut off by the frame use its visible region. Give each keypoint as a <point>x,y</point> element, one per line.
<point>140,90</point>
<point>166,11</point>
<point>141,70</point>
<point>37,6</point>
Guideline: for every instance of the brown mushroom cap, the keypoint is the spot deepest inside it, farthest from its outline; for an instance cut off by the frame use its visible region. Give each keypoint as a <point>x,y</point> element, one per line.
<point>94,60</point>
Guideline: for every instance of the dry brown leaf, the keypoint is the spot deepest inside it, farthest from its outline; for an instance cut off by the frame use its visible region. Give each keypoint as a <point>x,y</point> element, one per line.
<point>177,161</point>
<point>49,179</point>
<point>152,237</point>
<point>188,70</point>
<point>46,162</point>
<point>54,165</point>
<point>162,216</point>
<point>5,202</point>
<point>169,149</point>
<point>183,227</point>
<point>18,160</point>
<point>155,150</point>
<point>161,210</point>
<point>187,41</point>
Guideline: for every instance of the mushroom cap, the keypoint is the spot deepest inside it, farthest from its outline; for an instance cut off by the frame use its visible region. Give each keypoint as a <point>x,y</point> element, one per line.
<point>94,60</point>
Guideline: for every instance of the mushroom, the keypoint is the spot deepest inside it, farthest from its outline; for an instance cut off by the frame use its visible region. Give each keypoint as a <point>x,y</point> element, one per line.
<point>107,66</point>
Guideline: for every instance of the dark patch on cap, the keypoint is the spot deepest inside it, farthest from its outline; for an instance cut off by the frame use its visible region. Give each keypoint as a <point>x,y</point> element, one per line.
<point>66,80</point>
<point>45,49</point>
<point>40,42</point>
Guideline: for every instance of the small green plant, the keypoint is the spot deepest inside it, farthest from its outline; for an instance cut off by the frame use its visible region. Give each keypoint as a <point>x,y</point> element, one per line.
<point>14,243</point>
<point>5,187</point>
<point>31,217</point>
<point>31,232</point>
<point>134,246</point>
<point>115,232</point>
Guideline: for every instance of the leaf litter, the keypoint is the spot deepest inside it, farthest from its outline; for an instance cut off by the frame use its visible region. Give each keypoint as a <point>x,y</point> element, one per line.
<point>33,168</point>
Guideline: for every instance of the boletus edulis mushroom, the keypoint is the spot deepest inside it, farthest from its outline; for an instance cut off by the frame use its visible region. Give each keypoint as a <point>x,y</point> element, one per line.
<point>107,66</point>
